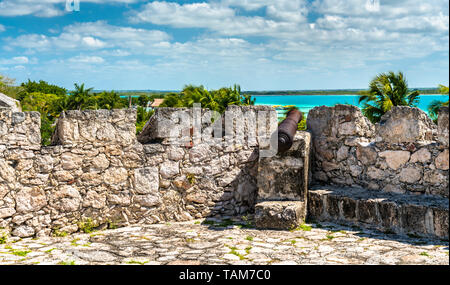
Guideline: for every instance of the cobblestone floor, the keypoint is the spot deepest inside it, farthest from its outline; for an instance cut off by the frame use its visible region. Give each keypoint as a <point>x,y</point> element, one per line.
<point>230,241</point>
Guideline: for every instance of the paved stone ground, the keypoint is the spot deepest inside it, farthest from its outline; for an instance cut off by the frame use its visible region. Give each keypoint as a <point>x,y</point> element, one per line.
<point>230,241</point>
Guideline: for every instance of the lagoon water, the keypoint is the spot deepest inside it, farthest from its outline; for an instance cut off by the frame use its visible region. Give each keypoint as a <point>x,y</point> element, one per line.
<point>307,102</point>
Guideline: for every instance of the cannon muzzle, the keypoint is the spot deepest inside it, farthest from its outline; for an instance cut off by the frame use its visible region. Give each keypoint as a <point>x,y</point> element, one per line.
<point>287,130</point>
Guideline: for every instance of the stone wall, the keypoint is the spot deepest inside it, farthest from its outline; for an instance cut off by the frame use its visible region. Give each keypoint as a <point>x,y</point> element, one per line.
<point>97,170</point>
<point>404,153</point>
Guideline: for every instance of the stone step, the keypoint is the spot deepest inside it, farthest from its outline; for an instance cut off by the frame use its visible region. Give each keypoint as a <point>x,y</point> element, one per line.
<point>404,214</point>
<point>279,215</point>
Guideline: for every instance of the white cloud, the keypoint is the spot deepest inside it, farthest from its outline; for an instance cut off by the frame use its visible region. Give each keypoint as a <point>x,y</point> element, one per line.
<point>196,15</point>
<point>90,36</point>
<point>15,60</point>
<point>45,8</point>
<point>87,59</point>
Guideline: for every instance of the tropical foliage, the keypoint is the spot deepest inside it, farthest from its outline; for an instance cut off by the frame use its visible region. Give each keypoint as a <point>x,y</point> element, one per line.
<point>217,100</point>
<point>387,90</point>
<point>7,87</point>
<point>301,126</point>
<point>435,105</point>
<point>50,100</point>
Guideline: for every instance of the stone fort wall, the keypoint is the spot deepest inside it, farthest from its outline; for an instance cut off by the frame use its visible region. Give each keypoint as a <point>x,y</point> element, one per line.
<point>404,153</point>
<point>99,169</point>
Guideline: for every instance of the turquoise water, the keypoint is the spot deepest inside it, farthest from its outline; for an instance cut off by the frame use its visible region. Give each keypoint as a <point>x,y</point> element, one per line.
<point>307,102</point>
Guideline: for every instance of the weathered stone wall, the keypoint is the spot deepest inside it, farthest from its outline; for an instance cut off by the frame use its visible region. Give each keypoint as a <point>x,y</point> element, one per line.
<point>404,153</point>
<point>97,169</point>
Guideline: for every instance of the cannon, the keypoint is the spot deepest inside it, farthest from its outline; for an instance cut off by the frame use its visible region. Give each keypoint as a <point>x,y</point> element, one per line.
<point>287,129</point>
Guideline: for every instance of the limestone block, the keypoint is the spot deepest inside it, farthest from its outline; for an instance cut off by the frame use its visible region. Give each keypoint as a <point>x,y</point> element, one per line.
<point>443,128</point>
<point>366,153</point>
<point>395,159</point>
<point>65,199</point>
<point>96,126</point>
<point>338,121</point>
<point>441,160</point>
<point>342,153</point>
<point>115,175</point>
<point>23,231</point>
<point>285,176</point>
<point>283,215</point>
<point>149,200</point>
<point>7,212</point>
<point>410,175</point>
<point>7,102</point>
<point>30,200</point>
<point>422,155</point>
<point>146,180</point>
<point>20,129</point>
<point>169,169</point>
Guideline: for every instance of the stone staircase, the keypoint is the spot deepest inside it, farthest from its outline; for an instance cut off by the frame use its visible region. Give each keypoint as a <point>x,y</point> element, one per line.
<point>405,214</point>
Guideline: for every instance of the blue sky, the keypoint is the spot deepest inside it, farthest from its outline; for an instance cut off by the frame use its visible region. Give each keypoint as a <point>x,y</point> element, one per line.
<point>259,44</point>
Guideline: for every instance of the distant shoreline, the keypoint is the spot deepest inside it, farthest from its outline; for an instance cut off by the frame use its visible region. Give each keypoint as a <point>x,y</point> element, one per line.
<point>342,92</point>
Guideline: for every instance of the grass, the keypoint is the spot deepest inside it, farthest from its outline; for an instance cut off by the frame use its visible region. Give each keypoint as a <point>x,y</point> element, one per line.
<point>330,237</point>
<point>233,251</point>
<point>50,250</point>
<point>137,262</point>
<point>20,252</point>
<point>227,222</point>
<point>3,238</point>
<point>66,263</point>
<point>87,225</point>
<point>74,242</point>
<point>302,227</point>
<point>191,178</point>
<point>57,233</point>
<point>249,238</point>
<point>425,254</point>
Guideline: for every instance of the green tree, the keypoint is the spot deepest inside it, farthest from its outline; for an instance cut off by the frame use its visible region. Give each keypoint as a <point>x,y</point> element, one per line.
<point>142,118</point>
<point>43,87</point>
<point>435,105</point>
<point>7,87</point>
<point>107,100</point>
<point>46,105</point>
<point>387,90</point>
<point>80,98</point>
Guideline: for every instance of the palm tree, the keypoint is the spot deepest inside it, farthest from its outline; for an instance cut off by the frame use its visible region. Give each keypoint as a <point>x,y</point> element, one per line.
<point>248,100</point>
<point>80,97</point>
<point>435,105</point>
<point>387,90</point>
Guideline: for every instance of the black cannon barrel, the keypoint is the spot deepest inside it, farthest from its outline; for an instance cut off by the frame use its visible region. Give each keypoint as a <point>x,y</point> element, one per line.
<point>287,130</point>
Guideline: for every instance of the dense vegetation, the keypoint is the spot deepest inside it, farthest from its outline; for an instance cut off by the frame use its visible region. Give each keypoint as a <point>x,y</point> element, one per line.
<point>387,90</point>
<point>50,100</point>
<point>435,105</point>
<point>217,100</point>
